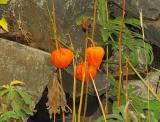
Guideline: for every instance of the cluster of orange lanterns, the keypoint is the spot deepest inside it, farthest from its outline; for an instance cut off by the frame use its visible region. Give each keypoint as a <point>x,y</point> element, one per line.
<point>62,58</point>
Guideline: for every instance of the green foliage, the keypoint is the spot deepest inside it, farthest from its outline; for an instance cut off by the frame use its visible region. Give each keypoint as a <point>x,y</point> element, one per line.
<point>132,42</point>
<point>138,104</point>
<point>16,102</point>
<point>140,54</point>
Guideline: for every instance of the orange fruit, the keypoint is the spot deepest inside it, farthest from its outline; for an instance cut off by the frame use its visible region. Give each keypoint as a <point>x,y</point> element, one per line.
<point>61,57</point>
<point>80,69</point>
<point>95,56</point>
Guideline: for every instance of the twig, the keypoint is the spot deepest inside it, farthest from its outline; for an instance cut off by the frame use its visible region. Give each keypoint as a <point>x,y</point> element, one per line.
<point>142,27</point>
<point>74,93</point>
<point>127,89</point>
<point>144,82</point>
<point>53,22</point>
<point>81,98</point>
<point>86,100</point>
<point>54,117</point>
<point>120,52</point>
<point>94,21</point>
<point>101,106</point>
<point>83,78</point>
<point>63,116</point>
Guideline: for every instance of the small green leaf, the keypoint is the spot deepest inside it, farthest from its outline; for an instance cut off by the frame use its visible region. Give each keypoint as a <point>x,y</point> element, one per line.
<point>4,1</point>
<point>8,115</point>
<point>27,100</point>
<point>111,117</point>
<point>4,24</point>
<point>25,96</point>
<point>3,92</point>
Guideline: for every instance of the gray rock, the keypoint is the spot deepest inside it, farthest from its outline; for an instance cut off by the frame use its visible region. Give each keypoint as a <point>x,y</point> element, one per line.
<point>30,17</point>
<point>33,66</point>
<point>19,62</point>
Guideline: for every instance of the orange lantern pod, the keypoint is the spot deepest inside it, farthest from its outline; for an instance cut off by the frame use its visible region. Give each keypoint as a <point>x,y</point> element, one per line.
<point>61,57</point>
<point>80,69</point>
<point>95,56</point>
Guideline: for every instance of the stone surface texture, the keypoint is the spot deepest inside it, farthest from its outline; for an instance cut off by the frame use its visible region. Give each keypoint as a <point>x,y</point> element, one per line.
<point>19,62</point>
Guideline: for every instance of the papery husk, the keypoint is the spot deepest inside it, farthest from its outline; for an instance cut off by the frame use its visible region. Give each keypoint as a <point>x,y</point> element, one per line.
<point>56,97</point>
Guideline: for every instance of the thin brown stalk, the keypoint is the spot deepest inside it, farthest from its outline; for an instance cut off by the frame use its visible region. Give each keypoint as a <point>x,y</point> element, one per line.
<point>94,21</point>
<point>63,117</point>
<point>54,25</point>
<point>74,93</point>
<point>106,106</point>
<point>120,52</point>
<point>86,100</point>
<point>143,36</point>
<point>81,98</point>
<point>107,66</point>
<point>144,82</point>
<point>100,103</point>
<point>54,117</point>
<point>83,78</point>
<point>60,76</point>
<point>127,89</point>
<point>53,22</point>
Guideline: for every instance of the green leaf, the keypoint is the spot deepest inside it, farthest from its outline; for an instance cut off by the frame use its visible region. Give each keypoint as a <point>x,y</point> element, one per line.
<point>17,106</point>
<point>4,1</point>
<point>102,15</point>
<point>133,22</point>
<point>4,24</point>
<point>27,100</point>
<point>153,105</point>
<point>10,96</point>
<point>3,92</point>
<point>111,117</point>
<point>8,115</point>
<point>25,96</point>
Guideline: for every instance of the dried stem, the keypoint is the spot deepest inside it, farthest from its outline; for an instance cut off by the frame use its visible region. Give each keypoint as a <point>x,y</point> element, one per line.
<point>144,82</point>
<point>94,21</point>
<point>63,116</point>
<point>107,66</point>
<point>60,76</point>
<point>86,100</point>
<point>146,66</point>
<point>127,89</point>
<point>54,117</point>
<point>81,98</point>
<point>101,106</point>
<point>83,78</point>
<point>120,52</point>
<point>54,25</point>
<point>74,93</point>
<point>106,106</point>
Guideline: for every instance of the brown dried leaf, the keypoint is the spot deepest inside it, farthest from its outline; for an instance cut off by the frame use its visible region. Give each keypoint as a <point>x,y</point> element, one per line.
<point>56,97</point>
